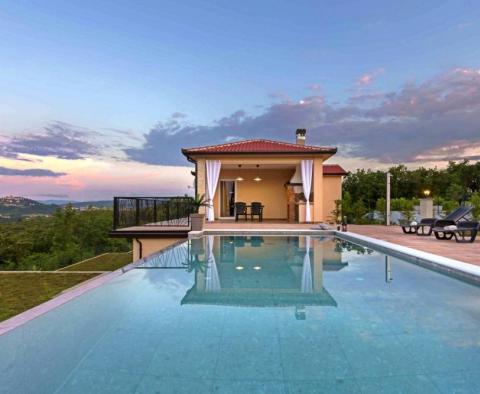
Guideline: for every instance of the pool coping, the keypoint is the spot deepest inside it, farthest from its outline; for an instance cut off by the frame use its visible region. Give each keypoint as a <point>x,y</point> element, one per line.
<point>453,268</point>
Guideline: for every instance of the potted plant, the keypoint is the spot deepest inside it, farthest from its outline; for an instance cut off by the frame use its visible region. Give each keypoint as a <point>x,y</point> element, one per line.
<point>198,219</point>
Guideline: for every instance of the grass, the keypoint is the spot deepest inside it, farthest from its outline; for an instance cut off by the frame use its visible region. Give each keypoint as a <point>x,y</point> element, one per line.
<point>105,262</point>
<point>22,291</point>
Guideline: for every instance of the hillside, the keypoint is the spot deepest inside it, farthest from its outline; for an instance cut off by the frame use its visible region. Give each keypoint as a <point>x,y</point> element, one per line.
<point>14,208</point>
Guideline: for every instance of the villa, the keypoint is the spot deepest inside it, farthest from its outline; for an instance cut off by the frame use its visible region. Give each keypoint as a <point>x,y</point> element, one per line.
<point>278,174</point>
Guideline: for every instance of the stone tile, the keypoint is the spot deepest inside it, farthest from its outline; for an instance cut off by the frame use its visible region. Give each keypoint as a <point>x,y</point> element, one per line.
<point>378,356</point>
<point>313,358</point>
<point>326,386</point>
<point>458,382</point>
<point>151,384</point>
<point>412,384</point>
<point>249,358</point>
<point>248,386</point>
<point>89,381</point>
<point>185,357</point>
<point>446,352</point>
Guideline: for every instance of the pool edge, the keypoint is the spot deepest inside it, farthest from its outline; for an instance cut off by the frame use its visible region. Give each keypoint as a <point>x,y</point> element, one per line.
<point>454,268</point>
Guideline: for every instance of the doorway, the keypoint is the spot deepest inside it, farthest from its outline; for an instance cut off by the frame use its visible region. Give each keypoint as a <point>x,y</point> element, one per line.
<point>227,199</point>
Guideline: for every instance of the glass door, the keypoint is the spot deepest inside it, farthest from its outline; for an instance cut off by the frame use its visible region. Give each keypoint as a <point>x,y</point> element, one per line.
<point>227,199</point>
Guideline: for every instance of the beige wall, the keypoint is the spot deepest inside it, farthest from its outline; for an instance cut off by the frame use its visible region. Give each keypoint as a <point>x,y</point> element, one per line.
<point>332,190</point>
<point>270,190</point>
<point>151,245</point>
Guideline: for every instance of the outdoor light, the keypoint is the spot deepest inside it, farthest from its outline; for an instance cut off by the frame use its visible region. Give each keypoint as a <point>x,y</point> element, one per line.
<point>426,192</point>
<point>257,268</point>
<point>239,178</point>
<point>257,178</point>
<point>239,267</point>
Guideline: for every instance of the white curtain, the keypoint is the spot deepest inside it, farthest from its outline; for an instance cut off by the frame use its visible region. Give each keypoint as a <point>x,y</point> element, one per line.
<point>212,280</point>
<point>213,172</point>
<point>307,283</point>
<point>307,172</point>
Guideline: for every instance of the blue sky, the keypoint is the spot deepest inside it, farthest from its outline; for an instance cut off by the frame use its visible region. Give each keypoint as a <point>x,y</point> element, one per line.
<point>107,76</point>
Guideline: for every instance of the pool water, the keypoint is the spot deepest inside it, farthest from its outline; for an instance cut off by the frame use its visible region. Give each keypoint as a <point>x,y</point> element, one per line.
<point>256,314</point>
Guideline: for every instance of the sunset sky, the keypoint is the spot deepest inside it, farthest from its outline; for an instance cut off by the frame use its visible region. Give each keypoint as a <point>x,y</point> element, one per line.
<point>98,97</point>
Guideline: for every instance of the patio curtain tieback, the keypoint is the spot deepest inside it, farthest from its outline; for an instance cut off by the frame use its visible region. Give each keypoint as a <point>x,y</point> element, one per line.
<point>213,173</point>
<point>307,172</point>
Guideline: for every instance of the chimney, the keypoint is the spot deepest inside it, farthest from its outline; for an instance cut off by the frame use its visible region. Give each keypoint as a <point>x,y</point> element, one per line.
<point>300,134</point>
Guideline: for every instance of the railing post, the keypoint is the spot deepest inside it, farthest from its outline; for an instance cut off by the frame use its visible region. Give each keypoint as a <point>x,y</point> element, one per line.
<point>115,213</point>
<point>154,211</point>
<point>137,211</point>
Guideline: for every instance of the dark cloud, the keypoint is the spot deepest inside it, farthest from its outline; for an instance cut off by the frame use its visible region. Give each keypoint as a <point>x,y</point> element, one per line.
<point>399,126</point>
<point>35,172</point>
<point>58,139</point>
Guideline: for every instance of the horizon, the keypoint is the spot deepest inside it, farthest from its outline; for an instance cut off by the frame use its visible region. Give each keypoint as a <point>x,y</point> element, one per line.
<point>98,98</point>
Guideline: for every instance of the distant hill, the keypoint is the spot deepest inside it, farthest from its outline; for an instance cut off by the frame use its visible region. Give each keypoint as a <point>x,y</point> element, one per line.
<point>81,204</point>
<point>13,208</point>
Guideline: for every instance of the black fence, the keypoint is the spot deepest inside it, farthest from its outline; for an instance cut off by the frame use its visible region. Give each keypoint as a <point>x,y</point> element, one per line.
<point>152,211</point>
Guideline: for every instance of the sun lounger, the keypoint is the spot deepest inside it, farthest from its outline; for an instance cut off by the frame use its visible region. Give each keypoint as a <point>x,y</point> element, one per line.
<point>425,227</point>
<point>462,231</point>
<point>426,223</point>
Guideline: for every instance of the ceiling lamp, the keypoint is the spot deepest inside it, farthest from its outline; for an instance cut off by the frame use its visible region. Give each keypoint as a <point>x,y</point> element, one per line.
<point>239,178</point>
<point>257,178</point>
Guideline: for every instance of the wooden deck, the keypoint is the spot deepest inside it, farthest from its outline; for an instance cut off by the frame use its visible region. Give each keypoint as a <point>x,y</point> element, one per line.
<point>466,252</point>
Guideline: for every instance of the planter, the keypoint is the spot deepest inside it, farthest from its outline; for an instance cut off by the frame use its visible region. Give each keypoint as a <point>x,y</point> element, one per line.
<point>198,221</point>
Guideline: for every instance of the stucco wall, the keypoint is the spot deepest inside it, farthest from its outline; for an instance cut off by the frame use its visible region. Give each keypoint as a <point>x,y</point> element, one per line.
<point>332,190</point>
<point>151,245</point>
<point>270,191</point>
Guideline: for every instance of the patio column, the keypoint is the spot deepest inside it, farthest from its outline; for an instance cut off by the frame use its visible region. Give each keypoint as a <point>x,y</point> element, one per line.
<point>307,172</point>
<point>213,173</point>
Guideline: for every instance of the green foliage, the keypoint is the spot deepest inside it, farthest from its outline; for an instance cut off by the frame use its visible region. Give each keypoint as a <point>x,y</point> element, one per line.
<point>475,201</point>
<point>199,201</point>
<point>447,186</point>
<point>49,243</point>
<point>337,212</point>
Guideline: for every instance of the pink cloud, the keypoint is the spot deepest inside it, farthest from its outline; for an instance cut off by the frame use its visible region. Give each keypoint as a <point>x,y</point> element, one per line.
<point>368,78</point>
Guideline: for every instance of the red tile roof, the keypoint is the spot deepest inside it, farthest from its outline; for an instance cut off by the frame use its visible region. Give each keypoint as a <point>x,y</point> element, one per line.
<point>258,146</point>
<point>333,169</point>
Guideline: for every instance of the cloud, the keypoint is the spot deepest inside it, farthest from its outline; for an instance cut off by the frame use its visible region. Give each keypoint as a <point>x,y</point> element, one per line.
<point>34,172</point>
<point>404,125</point>
<point>315,87</point>
<point>58,139</point>
<point>368,78</point>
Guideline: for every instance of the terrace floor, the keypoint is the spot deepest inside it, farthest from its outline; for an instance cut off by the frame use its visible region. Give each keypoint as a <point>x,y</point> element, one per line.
<point>466,252</point>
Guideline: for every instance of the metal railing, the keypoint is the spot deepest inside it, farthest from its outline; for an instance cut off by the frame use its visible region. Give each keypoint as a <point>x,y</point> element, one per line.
<point>152,211</point>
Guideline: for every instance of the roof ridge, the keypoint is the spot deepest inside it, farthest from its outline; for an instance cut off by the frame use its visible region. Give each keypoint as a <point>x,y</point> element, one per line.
<point>241,142</point>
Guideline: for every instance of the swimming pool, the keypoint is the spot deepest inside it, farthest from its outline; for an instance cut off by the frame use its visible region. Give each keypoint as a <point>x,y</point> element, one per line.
<point>275,314</point>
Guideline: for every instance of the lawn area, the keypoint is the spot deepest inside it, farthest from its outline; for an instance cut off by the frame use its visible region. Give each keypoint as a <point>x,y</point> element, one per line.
<point>106,262</point>
<point>22,291</point>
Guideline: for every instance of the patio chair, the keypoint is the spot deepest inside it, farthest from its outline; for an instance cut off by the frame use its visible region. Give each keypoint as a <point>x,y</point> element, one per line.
<point>240,210</point>
<point>425,227</point>
<point>256,209</point>
<point>462,231</point>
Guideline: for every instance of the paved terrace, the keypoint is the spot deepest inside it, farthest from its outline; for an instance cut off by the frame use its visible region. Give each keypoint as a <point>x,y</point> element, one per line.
<point>466,252</point>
